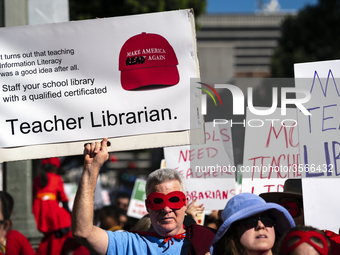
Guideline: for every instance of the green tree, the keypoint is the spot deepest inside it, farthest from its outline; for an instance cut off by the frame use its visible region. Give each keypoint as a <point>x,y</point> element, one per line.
<point>312,35</point>
<point>90,9</point>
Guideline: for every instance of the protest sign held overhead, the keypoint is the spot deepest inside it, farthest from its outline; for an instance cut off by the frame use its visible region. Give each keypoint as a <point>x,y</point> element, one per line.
<point>112,77</point>
<point>271,152</point>
<point>208,169</point>
<point>319,132</point>
<point>320,142</point>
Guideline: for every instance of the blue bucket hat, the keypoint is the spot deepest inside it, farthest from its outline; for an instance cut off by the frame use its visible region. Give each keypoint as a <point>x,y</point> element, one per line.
<point>245,205</point>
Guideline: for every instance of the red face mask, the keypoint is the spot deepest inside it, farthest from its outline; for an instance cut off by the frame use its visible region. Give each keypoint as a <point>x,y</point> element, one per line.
<point>305,237</point>
<point>292,208</point>
<point>157,201</point>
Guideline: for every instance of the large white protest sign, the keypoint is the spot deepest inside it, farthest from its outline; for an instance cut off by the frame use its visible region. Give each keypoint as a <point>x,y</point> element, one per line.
<point>271,151</point>
<point>208,169</point>
<point>320,132</point>
<point>112,77</point>
<point>319,135</point>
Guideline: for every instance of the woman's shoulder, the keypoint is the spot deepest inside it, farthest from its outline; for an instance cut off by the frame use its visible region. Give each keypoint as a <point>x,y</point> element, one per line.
<point>53,176</point>
<point>14,234</point>
<point>17,242</point>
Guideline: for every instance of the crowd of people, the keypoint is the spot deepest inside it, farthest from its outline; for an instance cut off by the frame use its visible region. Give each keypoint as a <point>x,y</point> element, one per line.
<point>271,223</point>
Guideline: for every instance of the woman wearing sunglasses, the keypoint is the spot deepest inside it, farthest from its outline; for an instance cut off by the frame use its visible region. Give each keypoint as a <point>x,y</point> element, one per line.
<point>250,226</point>
<point>303,240</point>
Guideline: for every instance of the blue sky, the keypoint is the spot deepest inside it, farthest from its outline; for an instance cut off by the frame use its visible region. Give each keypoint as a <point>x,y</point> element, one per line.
<point>228,6</point>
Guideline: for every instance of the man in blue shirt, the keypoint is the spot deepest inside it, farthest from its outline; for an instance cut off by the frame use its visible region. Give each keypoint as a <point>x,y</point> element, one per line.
<point>166,204</point>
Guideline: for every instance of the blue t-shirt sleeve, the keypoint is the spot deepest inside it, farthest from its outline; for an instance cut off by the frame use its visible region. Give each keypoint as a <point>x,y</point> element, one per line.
<point>117,242</point>
<point>124,243</point>
<point>127,243</point>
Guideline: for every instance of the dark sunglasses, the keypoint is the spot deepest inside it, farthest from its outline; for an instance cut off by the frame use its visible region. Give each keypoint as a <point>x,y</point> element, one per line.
<point>252,222</point>
<point>293,208</point>
<point>157,201</point>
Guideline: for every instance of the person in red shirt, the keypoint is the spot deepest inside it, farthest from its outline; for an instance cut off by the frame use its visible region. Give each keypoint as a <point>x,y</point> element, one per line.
<point>11,241</point>
<point>52,220</point>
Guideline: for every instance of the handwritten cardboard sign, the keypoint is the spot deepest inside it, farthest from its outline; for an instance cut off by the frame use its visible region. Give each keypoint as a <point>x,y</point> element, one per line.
<point>271,151</point>
<point>208,169</point>
<point>112,77</point>
<point>320,142</point>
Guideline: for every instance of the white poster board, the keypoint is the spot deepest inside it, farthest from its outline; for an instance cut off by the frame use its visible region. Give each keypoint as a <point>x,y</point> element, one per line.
<point>137,207</point>
<point>320,142</point>
<point>85,80</point>
<point>208,169</point>
<point>271,151</point>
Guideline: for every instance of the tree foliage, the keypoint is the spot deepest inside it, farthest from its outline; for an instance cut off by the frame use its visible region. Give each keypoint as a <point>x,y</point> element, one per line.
<point>312,35</point>
<point>90,9</point>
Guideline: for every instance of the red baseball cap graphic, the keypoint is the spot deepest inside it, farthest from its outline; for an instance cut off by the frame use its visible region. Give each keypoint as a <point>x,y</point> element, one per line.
<point>147,59</point>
